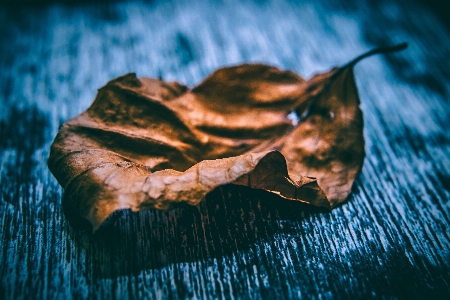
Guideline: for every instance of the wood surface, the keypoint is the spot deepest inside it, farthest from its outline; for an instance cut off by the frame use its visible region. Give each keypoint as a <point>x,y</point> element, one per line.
<point>390,240</point>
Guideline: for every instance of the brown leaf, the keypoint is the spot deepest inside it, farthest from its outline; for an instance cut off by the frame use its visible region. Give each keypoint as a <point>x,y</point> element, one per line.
<point>145,143</point>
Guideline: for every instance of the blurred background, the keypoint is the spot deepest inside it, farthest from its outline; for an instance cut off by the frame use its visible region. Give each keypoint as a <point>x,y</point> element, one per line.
<point>390,240</point>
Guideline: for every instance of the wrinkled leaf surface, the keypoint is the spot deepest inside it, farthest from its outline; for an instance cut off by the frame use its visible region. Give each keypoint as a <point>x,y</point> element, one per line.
<point>145,143</point>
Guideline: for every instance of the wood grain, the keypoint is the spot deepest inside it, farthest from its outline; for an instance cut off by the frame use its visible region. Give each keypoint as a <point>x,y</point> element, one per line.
<point>390,240</point>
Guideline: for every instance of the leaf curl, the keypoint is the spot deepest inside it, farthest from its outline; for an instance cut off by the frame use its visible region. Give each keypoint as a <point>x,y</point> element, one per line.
<point>145,143</point>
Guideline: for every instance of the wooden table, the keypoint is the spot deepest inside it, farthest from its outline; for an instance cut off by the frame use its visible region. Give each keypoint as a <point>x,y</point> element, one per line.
<point>390,240</point>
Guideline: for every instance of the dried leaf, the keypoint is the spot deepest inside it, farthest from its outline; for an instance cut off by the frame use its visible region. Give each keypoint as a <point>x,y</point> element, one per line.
<point>145,143</point>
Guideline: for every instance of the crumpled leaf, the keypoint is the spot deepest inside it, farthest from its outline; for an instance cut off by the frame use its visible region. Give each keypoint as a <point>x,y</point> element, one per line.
<point>145,143</point>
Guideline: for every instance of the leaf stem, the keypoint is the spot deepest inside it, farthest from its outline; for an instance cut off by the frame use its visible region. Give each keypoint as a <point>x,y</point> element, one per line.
<point>388,49</point>
<point>380,50</point>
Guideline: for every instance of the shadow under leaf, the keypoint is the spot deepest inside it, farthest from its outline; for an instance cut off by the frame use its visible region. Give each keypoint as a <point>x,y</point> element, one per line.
<point>230,219</point>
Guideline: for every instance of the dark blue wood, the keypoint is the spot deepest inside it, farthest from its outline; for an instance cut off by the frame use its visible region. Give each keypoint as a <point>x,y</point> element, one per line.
<point>392,238</point>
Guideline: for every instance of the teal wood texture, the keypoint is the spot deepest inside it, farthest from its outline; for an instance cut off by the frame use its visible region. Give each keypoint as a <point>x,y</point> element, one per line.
<point>390,240</point>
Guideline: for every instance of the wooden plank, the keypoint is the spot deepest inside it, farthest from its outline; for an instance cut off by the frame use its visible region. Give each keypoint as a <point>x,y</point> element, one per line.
<point>391,240</point>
